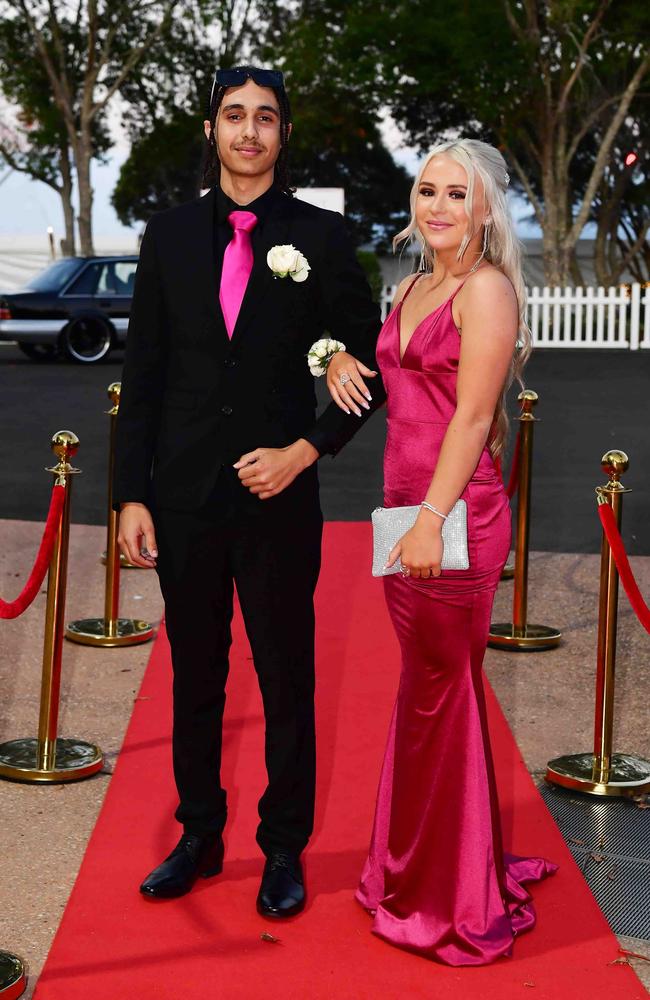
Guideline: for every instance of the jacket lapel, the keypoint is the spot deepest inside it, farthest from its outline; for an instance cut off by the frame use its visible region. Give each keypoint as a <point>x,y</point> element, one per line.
<point>205,257</point>
<point>276,231</point>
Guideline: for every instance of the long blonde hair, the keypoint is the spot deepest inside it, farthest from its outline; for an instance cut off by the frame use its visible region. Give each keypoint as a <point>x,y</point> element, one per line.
<point>501,246</point>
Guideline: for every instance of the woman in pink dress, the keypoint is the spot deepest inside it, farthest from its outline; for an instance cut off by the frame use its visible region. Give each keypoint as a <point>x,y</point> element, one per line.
<point>436,880</point>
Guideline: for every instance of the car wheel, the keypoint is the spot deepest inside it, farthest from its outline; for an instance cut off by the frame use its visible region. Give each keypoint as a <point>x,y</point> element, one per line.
<point>86,340</point>
<point>38,352</point>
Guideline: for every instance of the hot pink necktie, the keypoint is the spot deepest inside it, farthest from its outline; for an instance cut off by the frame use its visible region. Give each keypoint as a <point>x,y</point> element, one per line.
<point>237,267</point>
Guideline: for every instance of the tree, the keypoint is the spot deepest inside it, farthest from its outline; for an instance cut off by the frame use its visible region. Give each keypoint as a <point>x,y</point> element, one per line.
<point>539,79</point>
<point>41,151</point>
<point>87,49</point>
<point>376,188</point>
<point>336,141</point>
<point>165,103</point>
<point>621,212</point>
<point>33,137</point>
<point>162,169</point>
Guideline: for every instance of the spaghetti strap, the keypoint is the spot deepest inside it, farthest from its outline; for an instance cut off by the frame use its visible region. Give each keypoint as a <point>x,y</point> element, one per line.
<point>454,294</point>
<point>466,278</point>
<point>411,287</point>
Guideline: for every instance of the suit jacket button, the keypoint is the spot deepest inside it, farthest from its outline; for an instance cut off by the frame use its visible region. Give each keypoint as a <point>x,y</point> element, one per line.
<point>226,410</point>
<point>230,362</point>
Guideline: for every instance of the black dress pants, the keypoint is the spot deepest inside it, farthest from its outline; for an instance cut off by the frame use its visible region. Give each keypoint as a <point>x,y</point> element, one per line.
<point>271,550</point>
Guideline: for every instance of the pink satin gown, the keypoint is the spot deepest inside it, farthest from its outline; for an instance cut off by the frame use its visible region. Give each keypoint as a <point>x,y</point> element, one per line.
<point>436,879</point>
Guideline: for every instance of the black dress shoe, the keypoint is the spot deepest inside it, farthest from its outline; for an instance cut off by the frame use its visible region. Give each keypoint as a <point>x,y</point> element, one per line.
<point>192,857</point>
<point>282,893</point>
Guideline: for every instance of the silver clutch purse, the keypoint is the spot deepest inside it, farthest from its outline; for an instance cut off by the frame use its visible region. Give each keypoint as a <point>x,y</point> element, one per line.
<point>390,523</point>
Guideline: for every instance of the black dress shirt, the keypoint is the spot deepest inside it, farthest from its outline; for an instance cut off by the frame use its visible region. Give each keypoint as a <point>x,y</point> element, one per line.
<point>223,230</point>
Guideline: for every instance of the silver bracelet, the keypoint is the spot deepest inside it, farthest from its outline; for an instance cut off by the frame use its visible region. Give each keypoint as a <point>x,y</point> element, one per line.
<point>434,510</point>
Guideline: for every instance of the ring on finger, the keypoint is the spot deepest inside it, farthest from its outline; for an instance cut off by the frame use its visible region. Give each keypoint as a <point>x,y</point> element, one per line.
<point>344,377</point>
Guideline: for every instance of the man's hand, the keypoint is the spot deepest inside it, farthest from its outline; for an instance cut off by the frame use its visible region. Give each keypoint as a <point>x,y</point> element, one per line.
<point>268,471</point>
<point>137,538</point>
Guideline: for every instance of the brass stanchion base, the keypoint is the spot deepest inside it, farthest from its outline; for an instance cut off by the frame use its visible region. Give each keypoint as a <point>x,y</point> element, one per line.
<point>124,562</point>
<point>75,759</point>
<point>508,571</point>
<point>12,977</point>
<point>94,632</point>
<point>628,775</point>
<point>529,638</point>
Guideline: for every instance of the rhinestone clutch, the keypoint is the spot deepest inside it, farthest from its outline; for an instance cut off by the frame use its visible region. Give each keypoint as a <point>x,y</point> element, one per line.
<point>390,523</point>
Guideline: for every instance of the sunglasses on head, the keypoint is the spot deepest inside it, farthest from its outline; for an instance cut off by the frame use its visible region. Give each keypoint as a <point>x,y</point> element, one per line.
<point>238,77</point>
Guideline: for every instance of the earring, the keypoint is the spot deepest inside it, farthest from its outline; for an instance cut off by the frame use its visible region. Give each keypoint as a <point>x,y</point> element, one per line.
<point>486,241</point>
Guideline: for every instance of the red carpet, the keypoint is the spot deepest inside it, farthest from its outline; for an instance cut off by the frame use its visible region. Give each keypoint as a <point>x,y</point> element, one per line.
<point>114,945</point>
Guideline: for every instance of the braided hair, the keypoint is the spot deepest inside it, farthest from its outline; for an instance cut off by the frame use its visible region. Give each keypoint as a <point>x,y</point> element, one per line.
<point>211,167</point>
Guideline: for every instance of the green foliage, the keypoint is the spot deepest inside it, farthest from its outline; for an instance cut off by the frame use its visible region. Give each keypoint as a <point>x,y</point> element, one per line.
<point>161,171</point>
<point>543,81</point>
<point>39,138</point>
<point>370,264</point>
<point>166,98</point>
<point>336,141</point>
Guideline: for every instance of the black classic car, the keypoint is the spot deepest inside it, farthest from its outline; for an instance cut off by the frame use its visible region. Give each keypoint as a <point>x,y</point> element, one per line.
<point>78,307</point>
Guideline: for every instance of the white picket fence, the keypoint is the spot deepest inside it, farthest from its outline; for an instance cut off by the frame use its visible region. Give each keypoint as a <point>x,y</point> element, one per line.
<point>616,317</point>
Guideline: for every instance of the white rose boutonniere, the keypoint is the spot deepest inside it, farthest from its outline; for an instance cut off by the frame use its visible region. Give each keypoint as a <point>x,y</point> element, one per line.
<point>321,353</point>
<point>286,260</point>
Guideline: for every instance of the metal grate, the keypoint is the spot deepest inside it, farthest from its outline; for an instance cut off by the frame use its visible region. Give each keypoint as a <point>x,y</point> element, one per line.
<point>610,841</point>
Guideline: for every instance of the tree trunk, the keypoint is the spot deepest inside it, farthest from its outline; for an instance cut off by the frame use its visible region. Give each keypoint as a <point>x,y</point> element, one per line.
<point>601,266</point>
<point>575,270</point>
<point>550,228</point>
<point>68,243</point>
<point>83,156</point>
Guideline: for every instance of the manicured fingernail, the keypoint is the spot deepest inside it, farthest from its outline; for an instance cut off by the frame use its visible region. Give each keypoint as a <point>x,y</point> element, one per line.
<point>365,406</point>
<point>154,553</point>
<point>358,412</point>
<point>369,397</point>
<point>346,410</point>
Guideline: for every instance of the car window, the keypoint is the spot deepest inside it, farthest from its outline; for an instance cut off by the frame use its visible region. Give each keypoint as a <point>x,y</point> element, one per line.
<point>125,276</point>
<point>111,277</point>
<point>55,276</point>
<point>86,283</point>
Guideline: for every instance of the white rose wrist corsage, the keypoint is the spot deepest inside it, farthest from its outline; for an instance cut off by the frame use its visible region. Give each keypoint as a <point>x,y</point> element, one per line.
<point>286,260</point>
<point>321,353</point>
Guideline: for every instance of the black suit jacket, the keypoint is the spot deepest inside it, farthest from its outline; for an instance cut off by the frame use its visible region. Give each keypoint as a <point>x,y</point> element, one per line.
<point>192,399</point>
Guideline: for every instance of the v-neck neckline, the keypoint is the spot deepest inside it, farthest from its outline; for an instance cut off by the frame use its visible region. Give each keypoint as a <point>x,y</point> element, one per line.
<point>416,329</point>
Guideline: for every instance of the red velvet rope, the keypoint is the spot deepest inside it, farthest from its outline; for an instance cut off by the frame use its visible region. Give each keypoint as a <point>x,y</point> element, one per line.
<point>639,606</point>
<point>15,608</point>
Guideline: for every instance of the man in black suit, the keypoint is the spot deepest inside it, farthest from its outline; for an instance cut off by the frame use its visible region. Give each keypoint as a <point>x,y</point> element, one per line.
<point>215,472</point>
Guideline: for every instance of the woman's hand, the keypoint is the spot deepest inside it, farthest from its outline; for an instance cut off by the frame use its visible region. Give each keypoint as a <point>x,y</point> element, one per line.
<point>354,392</point>
<point>420,550</point>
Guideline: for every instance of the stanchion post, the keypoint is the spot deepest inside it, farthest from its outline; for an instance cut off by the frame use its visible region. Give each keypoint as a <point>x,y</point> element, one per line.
<point>527,422</point>
<point>49,758</point>
<point>519,634</point>
<point>12,977</point>
<point>602,772</point>
<point>114,390</point>
<point>112,587</point>
<point>111,630</point>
